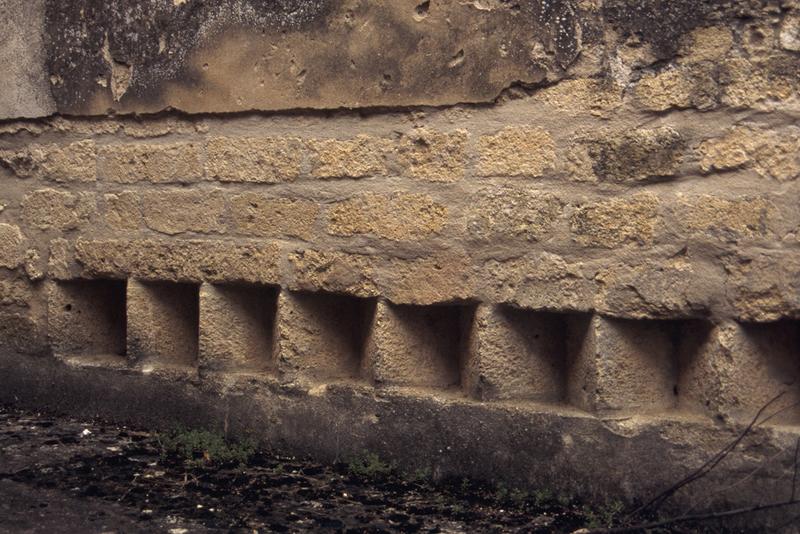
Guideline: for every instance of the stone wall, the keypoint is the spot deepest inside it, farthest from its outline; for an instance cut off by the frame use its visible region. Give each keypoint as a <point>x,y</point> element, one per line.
<point>595,225</point>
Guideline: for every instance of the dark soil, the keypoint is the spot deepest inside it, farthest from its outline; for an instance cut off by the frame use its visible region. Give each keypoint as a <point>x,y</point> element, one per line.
<point>66,475</point>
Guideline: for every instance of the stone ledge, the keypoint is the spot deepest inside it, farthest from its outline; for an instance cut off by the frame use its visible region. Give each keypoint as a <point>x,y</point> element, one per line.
<point>629,458</point>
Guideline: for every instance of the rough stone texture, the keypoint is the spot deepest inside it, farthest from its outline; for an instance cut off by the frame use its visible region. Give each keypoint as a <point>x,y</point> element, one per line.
<point>87,317</point>
<point>736,369</point>
<point>15,292</point>
<point>334,272</point>
<point>58,210</point>
<point>443,277</point>
<point>321,336</point>
<point>621,365</point>
<point>512,213</point>
<point>516,354</point>
<point>435,156</point>
<point>179,261</point>
<point>123,211</point>
<point>237,327</point>
<point>176,211</point>
<point>679,87</point>
<point>75,162</point>
<point>762,285</point>
<point>637,156</point>
<point>163,323</point>
<point>542,281</point>
<point>516,151</point>
<point>11,241</point>
<point>359,157</point>
<point>416,346</point>
<point>157,163</point>
<point>771,154</point>
<point>260,215</point>
<point>25,88</point>
<point>399,216</point>
<point>253,160</point>
<point>616,222</point>
<point>726,218</point>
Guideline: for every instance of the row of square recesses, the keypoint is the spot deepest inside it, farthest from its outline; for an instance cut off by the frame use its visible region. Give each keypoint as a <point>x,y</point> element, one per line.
<point>595,363</point>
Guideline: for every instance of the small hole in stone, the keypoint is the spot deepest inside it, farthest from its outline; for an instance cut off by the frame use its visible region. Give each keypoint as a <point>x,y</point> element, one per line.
<point>421,11</point>
<point>675,389</point>
<point>68,307</point>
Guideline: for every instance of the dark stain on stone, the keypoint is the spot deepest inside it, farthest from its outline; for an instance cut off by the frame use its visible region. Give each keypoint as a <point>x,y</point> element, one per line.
<point>152,37</point>
<point>142,55</point>
<point>663,22</point>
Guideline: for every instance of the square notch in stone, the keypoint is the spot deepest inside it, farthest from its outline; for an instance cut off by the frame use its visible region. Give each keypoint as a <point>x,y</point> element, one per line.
<point>87,318</point>
<point>632,365</point>
<point>519,354</point>
<point>321,335</point>
<point>740,368</point>
<point>422,346</point>
<point>237,327</point>
<point>163,323</point>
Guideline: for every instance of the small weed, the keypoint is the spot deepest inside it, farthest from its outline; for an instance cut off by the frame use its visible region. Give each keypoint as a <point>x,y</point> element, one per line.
<point>369,465</point>
<point>419,476</point>
<point>519,497</point>
<point>202,447</point>
<point>603,516</point>
<point>542,497</point>
<point>501,493</point>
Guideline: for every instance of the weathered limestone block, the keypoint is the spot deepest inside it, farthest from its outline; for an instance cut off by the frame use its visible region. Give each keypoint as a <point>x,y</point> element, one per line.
<point>332,271</point>
<point>710,43</point>
<point>322,336</point>
<point>87,317</point>
<point>434,156</point>
<point>516,354</point>
<point>505,213</point>
<point>399,216</point>
<point>418,345</point>
<point>253,159</point>
<point>665,287</point>
<point>58,210</point>
<point>790,33</point>
<point>180,261</point>
<point>772,154</point>
<point>681,87</point>
<point>360,157</point>
<point>438,278</point>
<point>237,327</point>
<point>123,211</point>
<point>163,323</point>
<point>638,156</point>
<point>728,219</point>
<point>516,151</point>
<point>539,281</point>
<point>748,84</point>
<point>11,246</point>
<point>151,162</point>
<point>264,216</point>
<point>61,260</point>
<point>177,211</point>
<point>15,291</point>
<point>72,162</point>
<point>619,365</point>
<point>584,95</point>
<point>22,333</point>
<point>737,368</point>
<point>762,285</point>
<point>616,222</point>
